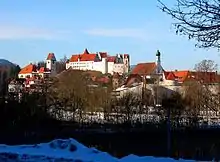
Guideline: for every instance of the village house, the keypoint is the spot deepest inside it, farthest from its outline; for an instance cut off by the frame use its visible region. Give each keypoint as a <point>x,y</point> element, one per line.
<point>152,76</point>
<point>34,74</point>
<point>32,70</point>
<point>100,61</point>
<point>141,75</point>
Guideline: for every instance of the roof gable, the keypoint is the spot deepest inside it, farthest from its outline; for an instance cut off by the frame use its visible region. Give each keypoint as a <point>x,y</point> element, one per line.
<point>205,77</point>
<point>181,76</point>
<point>111,58</point>
<point>144,68</point>
<point>43,70</point>
<point>103,54</point>
<point>51,57</point>
<point>85,56</point>
<point>28,69</point>
<point>170,76</point>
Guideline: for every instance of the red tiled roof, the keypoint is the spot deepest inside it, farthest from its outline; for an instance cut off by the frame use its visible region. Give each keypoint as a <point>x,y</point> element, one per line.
<point>111,58</point>
<point>85,56</point>
<point>135,77</point>
<point>28,69</point>
<point>144,68</point>
<point>103,54</point>
<point>182,76</point>
<point>170,75</point>
<point>127,55</point>
<point>43,69</point>
<point>51,56</point>
<point>205,77</point>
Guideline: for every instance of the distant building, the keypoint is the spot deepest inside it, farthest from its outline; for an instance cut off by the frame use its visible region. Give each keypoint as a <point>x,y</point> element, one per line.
<point>149,69</point>
<point>33,70</point>
<point>100,61</point>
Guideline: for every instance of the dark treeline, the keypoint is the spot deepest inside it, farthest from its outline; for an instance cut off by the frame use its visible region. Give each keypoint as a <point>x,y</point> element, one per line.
<point>29,122</point>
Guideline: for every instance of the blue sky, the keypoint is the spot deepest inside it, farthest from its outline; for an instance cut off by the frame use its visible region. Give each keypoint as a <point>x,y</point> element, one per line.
<point>29,30</point>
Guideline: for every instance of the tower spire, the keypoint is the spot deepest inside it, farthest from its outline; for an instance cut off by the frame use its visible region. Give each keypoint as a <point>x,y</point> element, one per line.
<point>159,67</point>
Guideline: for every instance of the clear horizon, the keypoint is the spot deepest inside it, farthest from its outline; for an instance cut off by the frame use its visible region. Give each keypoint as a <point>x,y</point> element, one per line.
<point>29,30</point>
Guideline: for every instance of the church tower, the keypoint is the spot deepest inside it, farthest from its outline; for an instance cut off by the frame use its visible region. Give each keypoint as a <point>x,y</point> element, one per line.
<point>159,69</point>
<point>51,63</point>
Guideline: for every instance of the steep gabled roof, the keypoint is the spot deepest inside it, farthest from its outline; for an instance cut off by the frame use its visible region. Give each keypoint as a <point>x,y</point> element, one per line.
<point>43,70</point>
<point>111,58</point>
<point>51,57</point>
<point>85,56</point>
<point>181,75</point>
<point>103,54</point>
<point>28,69</point>
<point>170,75</point>
<point>86,51</point>
<point>144,68</point>
<point>205,77</point>
<point>136,77</point>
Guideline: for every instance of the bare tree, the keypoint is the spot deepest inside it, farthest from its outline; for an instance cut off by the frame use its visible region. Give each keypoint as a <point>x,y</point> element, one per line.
<point>193,101</point>
<point>70,92</point>
<point>198,19</point>
<point>61,65</point>
<point>201,89</point>
<point>206,66</point>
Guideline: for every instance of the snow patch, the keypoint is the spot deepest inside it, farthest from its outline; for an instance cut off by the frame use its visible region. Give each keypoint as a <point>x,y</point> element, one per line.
<point>68,150</point>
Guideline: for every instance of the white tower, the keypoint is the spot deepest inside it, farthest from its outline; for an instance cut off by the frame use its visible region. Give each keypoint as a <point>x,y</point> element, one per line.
<point>51,64</point>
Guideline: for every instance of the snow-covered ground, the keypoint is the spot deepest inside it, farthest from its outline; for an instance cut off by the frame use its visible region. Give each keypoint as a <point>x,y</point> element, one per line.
<point>68,150</point>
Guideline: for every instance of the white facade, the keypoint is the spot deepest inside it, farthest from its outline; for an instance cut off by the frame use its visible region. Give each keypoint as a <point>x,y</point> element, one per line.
<point>101,66</point>
<point>25,75</point>
<point>81,65</point>
<point>97,62</point>
<point>119,68</point>
<point>51,65</point>
<point>110,67</point>
<point>32,70</point>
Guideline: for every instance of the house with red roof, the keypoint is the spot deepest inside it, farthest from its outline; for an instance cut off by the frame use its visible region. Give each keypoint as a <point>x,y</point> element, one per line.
<point>99,61</point>
<point>32,70</point>
<point>149,69</point>
<point>187,75</point>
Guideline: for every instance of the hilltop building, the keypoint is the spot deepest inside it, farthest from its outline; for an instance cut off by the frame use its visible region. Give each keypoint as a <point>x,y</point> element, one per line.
<point>33,70</point>
<point>100,61</point>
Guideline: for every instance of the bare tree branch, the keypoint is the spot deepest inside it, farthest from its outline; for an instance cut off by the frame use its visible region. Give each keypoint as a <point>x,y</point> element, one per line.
<point>198,19</point>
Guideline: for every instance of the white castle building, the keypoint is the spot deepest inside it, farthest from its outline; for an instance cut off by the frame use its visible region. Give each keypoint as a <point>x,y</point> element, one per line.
<point>100,61</point>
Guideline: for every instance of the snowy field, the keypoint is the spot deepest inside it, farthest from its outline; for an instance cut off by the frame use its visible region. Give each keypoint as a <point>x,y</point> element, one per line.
<point>66,151</point>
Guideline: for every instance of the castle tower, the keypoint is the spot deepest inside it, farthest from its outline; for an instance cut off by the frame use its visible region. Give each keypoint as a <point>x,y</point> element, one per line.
<point>159,69</point>
<point>51,63</point>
